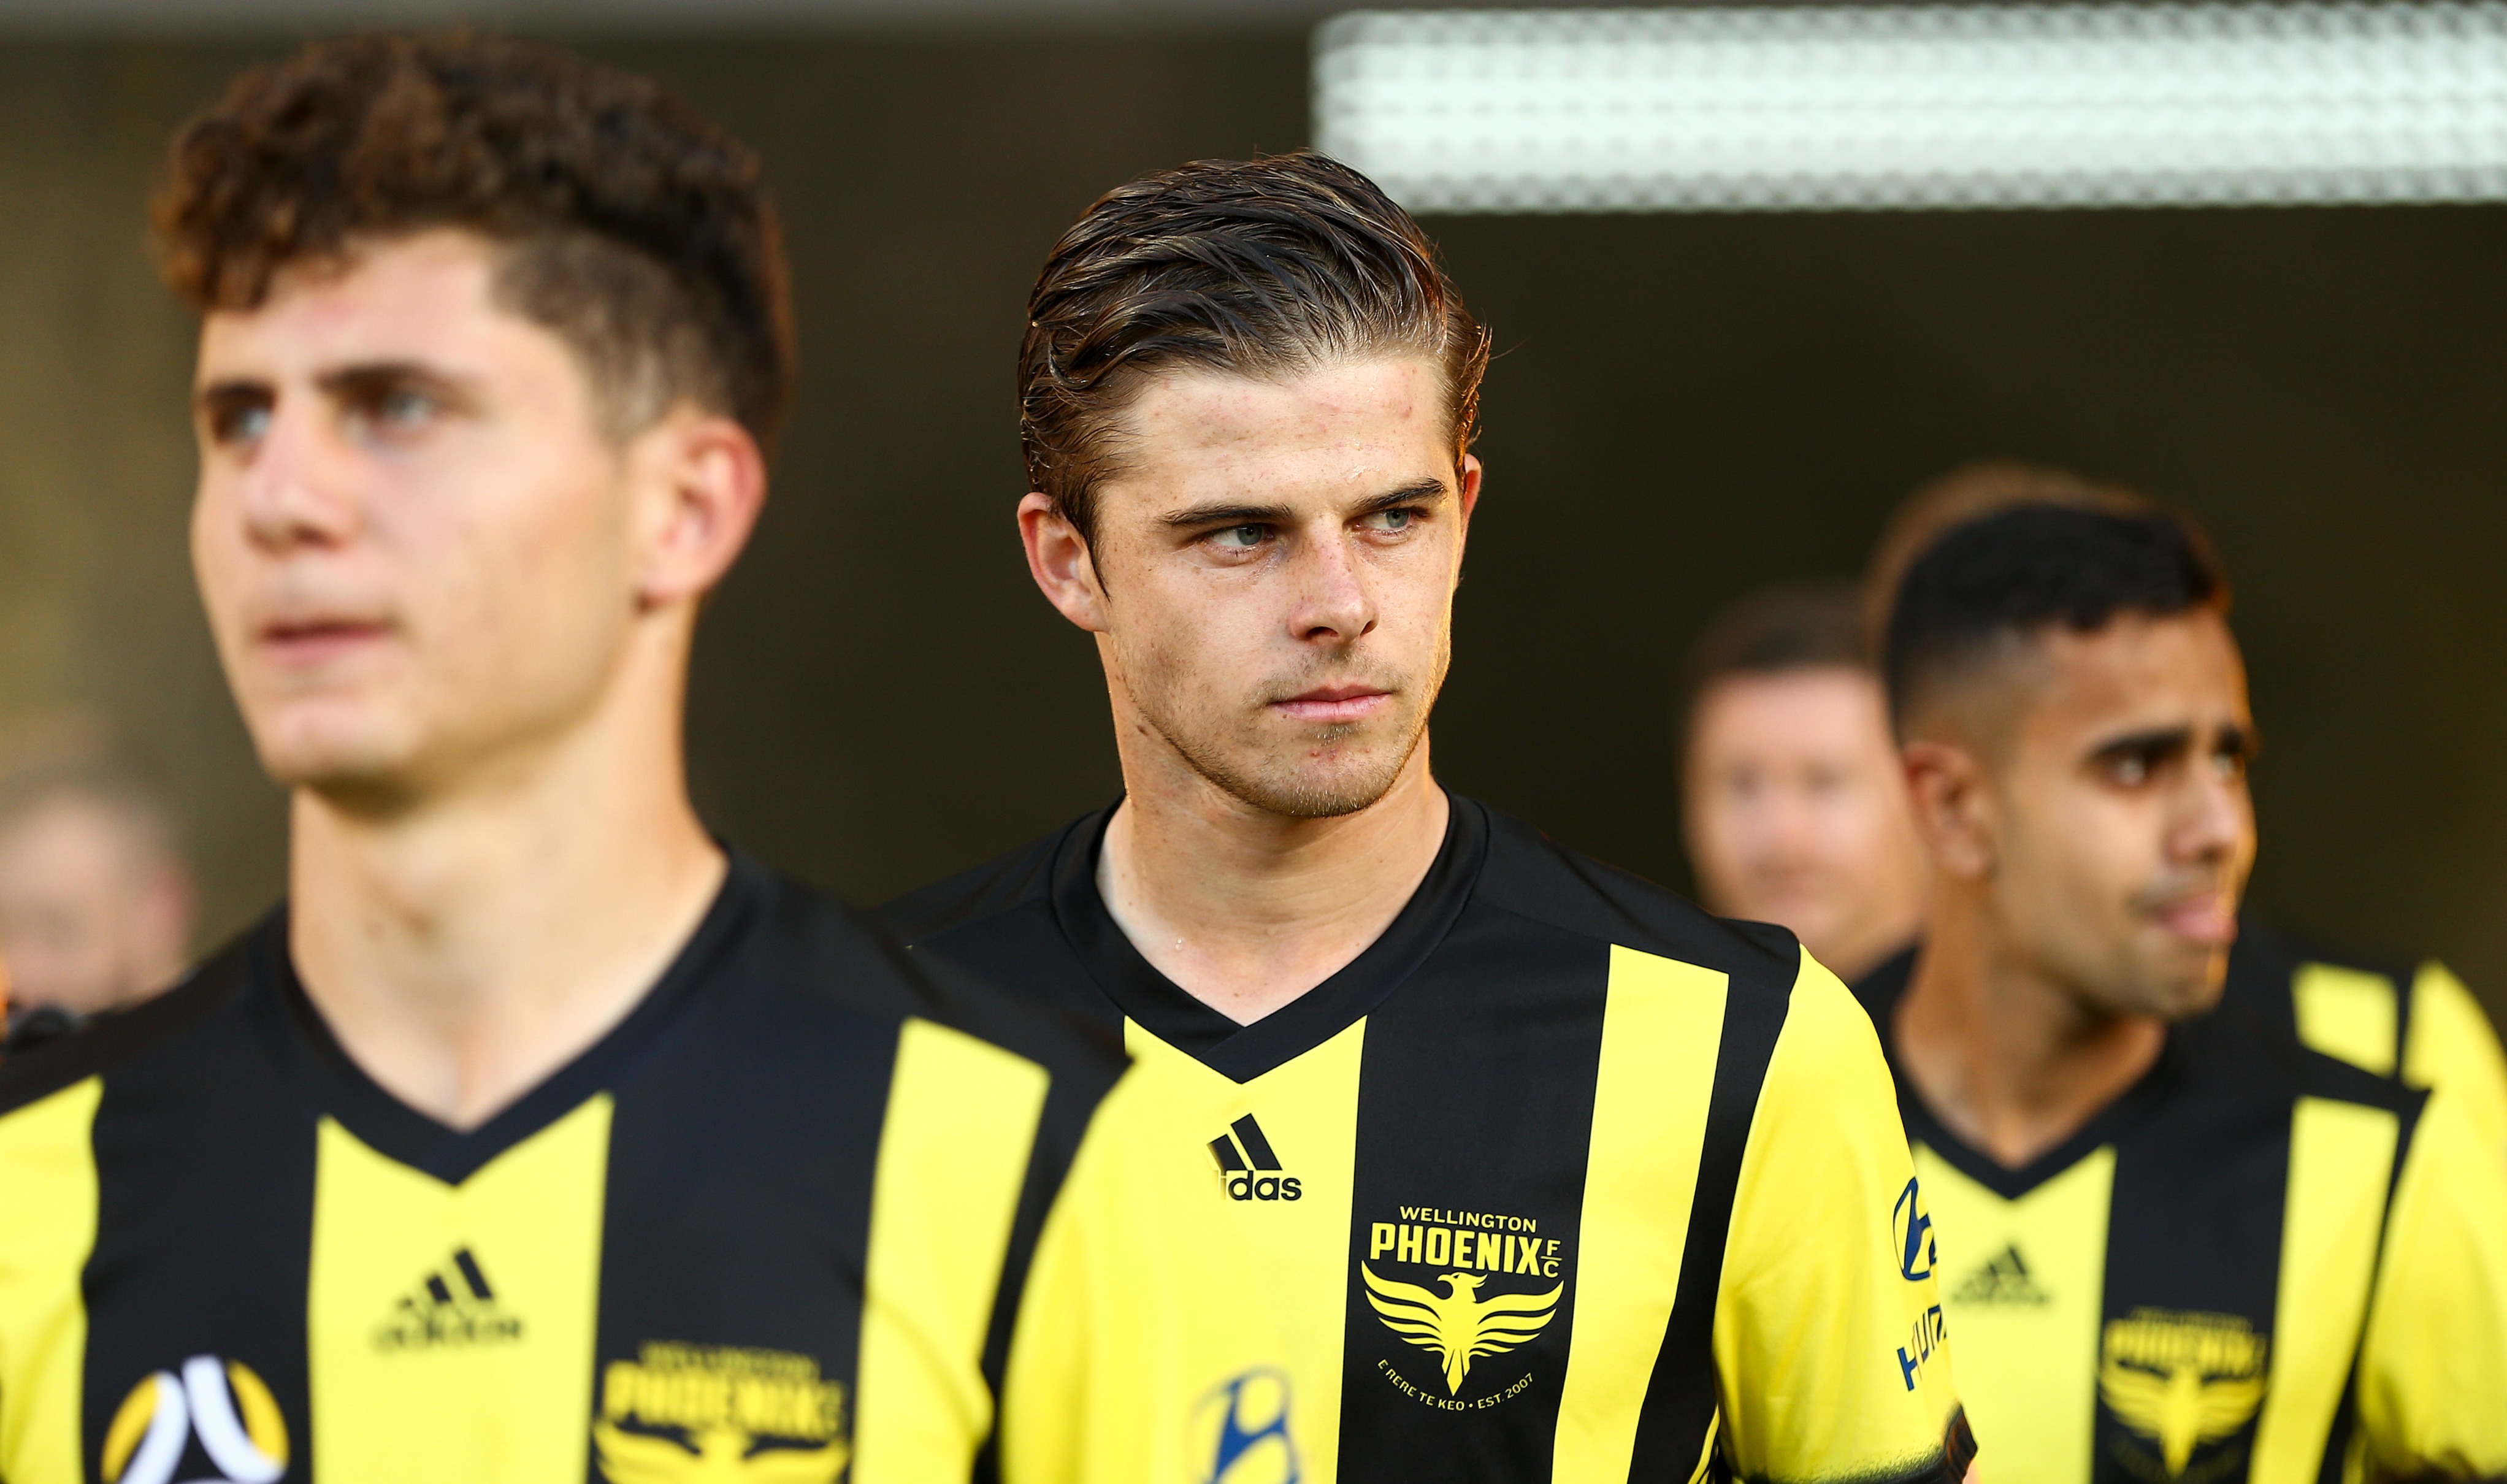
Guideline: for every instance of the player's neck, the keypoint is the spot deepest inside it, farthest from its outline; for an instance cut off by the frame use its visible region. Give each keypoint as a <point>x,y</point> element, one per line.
<point>2009,1059</point>
<point>468,944</point>
<point>1247,910</point>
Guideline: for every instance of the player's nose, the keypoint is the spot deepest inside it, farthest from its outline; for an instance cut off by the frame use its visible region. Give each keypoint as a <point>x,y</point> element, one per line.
<point>1334,598</point>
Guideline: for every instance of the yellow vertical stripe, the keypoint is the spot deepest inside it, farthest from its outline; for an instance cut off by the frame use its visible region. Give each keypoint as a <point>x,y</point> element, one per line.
<point>953,1151</point>
<point>2453,1046</point>
<point>1661,1027</point>
<point>2341,1160</point>
<point>391,1406</point>
<point>47,1194</point>
<point>2348,1013</point>
<point>2024,1284</point>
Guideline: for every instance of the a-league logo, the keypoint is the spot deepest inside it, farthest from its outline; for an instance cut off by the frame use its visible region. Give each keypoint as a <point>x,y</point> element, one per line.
<point>1245,1425</point>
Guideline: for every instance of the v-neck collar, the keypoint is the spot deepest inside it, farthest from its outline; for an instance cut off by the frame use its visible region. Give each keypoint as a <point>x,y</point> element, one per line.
<point>401,1133</point>
<point>1243,1053</point>
<point>1887,985</point>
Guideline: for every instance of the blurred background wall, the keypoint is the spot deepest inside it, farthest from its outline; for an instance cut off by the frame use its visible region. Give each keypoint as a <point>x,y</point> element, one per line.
<point>1682,407</point>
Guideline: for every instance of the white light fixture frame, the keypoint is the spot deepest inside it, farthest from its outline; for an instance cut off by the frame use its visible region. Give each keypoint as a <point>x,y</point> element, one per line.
<point>1915,107</point>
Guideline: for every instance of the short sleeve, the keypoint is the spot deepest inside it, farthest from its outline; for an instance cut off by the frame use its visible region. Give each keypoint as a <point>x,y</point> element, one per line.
<point>2433,1362</point>
<point>1829,1337</point>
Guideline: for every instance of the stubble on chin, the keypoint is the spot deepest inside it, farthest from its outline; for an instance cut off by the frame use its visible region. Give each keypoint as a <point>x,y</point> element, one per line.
<point>1283,778</point>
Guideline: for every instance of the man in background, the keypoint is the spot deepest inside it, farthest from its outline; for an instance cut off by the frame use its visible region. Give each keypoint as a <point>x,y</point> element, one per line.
<point>1790,794</point>
<point>2397,1017</point>
<point>97,903</point>
<point>2173,1244</point>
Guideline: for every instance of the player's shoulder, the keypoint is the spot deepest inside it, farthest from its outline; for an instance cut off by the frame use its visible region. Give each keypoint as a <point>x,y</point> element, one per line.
<point>806,943</point>
<point>999,888</point>
<point>1535,876</point>
<point>2267,962</point>
<point>108,1043</point>
<point>2236,1047</point>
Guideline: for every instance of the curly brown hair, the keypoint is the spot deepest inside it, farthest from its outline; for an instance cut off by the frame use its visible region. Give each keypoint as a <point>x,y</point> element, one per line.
<point>629,226</point>
<point>1257,268</point>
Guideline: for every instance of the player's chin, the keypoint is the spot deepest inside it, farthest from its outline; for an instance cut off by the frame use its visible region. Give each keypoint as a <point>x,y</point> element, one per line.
<point>347,757</point>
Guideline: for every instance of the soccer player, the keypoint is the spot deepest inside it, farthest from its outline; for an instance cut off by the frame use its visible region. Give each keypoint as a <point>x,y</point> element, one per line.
<point>1547,1173</point>
<point>1789,793</point>
<point>537,1138</point>
<point>2174,1245</point>
<point>2416,1022</point>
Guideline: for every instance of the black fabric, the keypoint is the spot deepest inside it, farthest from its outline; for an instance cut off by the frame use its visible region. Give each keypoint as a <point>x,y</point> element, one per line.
<point>2201,1148</point>
<point>1483,1004</point>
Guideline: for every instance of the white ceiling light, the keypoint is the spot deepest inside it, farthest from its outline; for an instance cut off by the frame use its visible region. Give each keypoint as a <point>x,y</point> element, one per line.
<point>1923,106</point>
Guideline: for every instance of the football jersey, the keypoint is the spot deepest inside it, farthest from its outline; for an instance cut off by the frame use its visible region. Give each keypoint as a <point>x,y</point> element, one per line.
<point>2260,1265</point>
<point>772,1227</point>
<point>2416,1022</point>
<point>1560,1179</point>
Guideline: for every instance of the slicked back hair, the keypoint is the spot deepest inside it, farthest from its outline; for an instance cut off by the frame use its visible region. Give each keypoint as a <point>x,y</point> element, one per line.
<point>2022,571</point>
<point>629,226</point>
<point>1261,269</point>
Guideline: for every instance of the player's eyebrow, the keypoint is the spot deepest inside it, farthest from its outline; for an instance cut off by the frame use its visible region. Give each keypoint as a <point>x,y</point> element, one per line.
<point>1224,515</point>
<point>2239,739</point>
<point>1408,494</point>
<point>365,380</point>
<point>2156,744</point>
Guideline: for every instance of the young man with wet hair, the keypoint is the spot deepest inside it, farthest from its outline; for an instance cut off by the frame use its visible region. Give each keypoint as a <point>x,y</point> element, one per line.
<point>1790,794</point>
<point>539,1135</point>
<point>1547,1175</point>
<point>2175,1243</point>
<point>2397,1017</point>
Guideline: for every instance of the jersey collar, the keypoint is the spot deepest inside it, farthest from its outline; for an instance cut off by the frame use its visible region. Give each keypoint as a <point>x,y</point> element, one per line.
<point>398,1131</point>
<point>1242,1053</point>
<point>1880,991</point>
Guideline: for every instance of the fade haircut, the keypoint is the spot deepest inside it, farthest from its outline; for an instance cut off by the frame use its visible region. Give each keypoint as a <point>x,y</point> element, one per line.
<point>1261,269</point>
<point>2011,575</point>
<point>630,227</point>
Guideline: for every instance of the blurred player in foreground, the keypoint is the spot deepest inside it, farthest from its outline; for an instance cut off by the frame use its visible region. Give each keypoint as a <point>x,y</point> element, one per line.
<point>2174,1245</point>
<point>96,900</point>
<point>534,1135</point>
<point>2411,1021</point>
<point>1547,1174</point>
<point>1790,790</point>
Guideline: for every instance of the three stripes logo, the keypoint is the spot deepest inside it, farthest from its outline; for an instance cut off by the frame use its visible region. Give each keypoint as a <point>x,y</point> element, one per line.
<point>453,1305</point>
<point>1249,1168</point>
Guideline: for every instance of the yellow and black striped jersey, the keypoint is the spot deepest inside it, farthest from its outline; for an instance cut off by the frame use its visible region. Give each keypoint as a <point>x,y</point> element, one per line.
<point>2260,1265</point>
<point>771,1228</point>
<point>2414,1022</point>
<point>1561,1180</point>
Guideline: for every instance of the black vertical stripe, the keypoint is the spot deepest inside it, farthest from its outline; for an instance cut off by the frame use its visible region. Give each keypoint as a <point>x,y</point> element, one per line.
<point>1681,1398</point>
<point>1257,1147</point>
<point>1476,1104</point>
<point>471,1275</point>
<point>1223,1150</point>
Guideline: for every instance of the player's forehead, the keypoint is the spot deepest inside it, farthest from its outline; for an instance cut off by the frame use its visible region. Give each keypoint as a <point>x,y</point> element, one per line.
<point>2139,673</point>
<point>1804,711</point>
<point>1344,429</point>
<point>425,298</point>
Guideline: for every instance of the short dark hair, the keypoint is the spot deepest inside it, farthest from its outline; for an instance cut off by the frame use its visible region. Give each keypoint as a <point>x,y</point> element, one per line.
<point>1257,267</point>
<point>1775,630</point>
<point>633,230</point>
<point>2015,572</point>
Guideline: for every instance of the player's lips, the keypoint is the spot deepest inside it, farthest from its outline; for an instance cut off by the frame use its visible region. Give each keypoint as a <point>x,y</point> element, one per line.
<point>1335,704</point>
<point>2205,917</point>
<point>307,641</point>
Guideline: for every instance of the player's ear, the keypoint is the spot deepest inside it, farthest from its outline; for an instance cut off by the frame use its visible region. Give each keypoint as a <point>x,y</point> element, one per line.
<point>1059,559</point>
<point>1953,808</point>
<point>698,480</point>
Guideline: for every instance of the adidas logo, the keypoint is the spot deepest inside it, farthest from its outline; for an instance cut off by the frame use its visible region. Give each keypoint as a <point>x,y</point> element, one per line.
<point>1247,1168</point>
<point>2002,1281</point>
<point>453,1305</point>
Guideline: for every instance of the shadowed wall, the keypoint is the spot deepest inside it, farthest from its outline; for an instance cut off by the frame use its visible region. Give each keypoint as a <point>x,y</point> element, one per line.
<point>1683,408</point>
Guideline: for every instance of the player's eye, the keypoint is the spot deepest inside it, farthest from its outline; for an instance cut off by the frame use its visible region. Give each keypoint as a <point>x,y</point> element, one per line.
<point>2230,763</point>
<point>237,423</point>
<point>2131,769</point>
<point>1239,538</point>
<point>400,408</point>
<point>1391,523</point>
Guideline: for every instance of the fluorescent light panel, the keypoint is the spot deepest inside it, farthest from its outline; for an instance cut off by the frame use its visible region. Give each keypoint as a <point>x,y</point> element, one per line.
<point>1827,108</point>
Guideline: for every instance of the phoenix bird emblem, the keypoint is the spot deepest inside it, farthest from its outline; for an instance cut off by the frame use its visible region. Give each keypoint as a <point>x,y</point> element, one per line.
<point>720,1456</point>
<point>2180,1405</point>
<point>1461,1327</point>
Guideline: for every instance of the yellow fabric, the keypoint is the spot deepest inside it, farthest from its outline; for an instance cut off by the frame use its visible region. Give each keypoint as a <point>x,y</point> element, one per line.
<point>2433,1367</point>
<point>2341,1159</point>
<point>1160,1316</point>
<point>1832,1357</point>
<point>48,1195</point>
<point>2348,1013</point>
<point>388,1409</point>
<point>2024,1284</point>
<point>1660,1031</point>
<point>953,1156</point>
<point>2453,1045</point>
